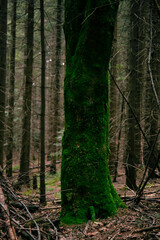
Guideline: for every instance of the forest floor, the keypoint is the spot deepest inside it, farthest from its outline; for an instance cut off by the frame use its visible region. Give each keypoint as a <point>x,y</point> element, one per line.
<point>140,221</point>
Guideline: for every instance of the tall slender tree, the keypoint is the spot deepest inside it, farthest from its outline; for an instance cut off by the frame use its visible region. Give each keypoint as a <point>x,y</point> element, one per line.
<point>3,50</point>
<point>56,87</point>
<point>86,185</point>
<point>133,87</point>
<point>9,154</point>
<point>152,84</point>
<point>42,134</point>
<point>113,108</point>
<point>28,68</point>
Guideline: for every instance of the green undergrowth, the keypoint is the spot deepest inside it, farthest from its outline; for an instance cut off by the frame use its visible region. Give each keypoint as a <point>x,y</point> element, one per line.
<point>52,183</point>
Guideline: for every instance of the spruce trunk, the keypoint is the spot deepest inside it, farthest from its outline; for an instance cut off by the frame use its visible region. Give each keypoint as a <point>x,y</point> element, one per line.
<point>9,155</point>
<point>3,49</point>
<point>28,69</point>
<point>56,89</point>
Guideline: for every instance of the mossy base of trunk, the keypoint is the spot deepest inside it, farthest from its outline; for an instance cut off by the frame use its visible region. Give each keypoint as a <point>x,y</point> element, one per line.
<point>105,208</point>
<point>87,190</point>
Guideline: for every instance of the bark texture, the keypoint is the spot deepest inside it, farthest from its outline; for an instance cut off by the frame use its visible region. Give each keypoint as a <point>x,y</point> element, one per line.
<point>26,124</point>
<point>43,107</point>
<point>152,84</point>
<point>56,90</point>
<point>113,109</point>
<point>9,154</point>
<point>3,44</point>
<point>86,186</point>
<point>133,133</point>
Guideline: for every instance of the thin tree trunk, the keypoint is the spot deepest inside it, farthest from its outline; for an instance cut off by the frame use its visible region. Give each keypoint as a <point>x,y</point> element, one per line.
<point>152,84</point>
<point>3,49</point>
<point>133,89</point>
<point>56,88</point>
<point>26,125</point>
<point>9,154</point>
<point>142,60</point>
<point>42,134</point>
<point>113,108</point>
<point>118,141</point>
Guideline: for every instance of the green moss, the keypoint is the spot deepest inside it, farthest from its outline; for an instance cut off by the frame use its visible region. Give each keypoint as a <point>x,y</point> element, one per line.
<point>86,186</point>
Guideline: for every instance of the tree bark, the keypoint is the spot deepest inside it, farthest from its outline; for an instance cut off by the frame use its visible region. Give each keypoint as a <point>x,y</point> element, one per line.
<point>3,50</point>
<point>113,109</point>
<point>133,133</point>
<point>9,155</point>
<point>152,84</point>
<point>86,185</point>
<point>26,125</point>
<point>43,69</point>
<point>56,88</point>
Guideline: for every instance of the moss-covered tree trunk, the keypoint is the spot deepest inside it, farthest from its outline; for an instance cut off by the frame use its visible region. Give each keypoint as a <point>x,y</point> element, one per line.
<point>86,186</point>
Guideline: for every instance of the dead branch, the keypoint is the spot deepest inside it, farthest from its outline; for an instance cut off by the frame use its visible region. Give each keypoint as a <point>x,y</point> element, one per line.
<point>55,229</point>
<point>147,229</point>
<point>27,210</point>
<point>86,228</point>
<point>10,228</point>
<point>149,66</point>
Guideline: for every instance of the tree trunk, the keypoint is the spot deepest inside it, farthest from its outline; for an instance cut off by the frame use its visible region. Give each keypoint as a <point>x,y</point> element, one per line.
<point>152,84</point>
<point>9,154</point>
<point>43,68</point>
<point>28,68</point>
<point>3,49</point>
<point>86,185</point>
<point>56,88</point>
<point>113,108</point>
<point>133,87</point>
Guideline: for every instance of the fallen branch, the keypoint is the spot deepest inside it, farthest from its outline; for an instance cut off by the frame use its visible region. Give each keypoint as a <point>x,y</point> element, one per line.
<point>86,228</point>
<point>10,229</point>
<point>55,229</point>
<point>147,229</point>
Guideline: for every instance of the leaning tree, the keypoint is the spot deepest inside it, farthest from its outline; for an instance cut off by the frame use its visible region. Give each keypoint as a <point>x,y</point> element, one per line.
<point>86,186</point>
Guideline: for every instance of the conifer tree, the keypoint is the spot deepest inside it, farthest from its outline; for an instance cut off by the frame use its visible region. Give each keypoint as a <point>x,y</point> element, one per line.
<point>26,124</point>
<point>3,49</point>
<point>9,155</point>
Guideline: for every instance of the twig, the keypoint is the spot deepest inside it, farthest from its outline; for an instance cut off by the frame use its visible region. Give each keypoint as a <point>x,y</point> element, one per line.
<point>151,152</point>
<point>115,235</point>
<point>147,229</point>
<point>144,136</point>
<point>156,2</point>
<point>11,230</point>
<point>133,113</point>
<point>55,229</point>
<point>137,199</point>
<point>23,228</point>
<point>149,66</point>
<point>15,222</point>
<point>22,203</point>
<point>86,228</point>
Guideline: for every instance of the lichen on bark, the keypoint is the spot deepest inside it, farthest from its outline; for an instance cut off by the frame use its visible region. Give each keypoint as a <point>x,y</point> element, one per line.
<point>85,178</point>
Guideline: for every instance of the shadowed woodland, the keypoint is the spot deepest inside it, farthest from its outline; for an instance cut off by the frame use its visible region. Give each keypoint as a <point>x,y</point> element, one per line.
<point>79,119</point>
